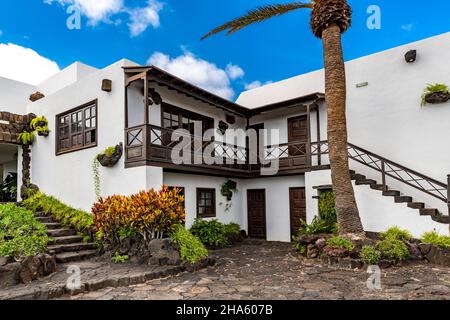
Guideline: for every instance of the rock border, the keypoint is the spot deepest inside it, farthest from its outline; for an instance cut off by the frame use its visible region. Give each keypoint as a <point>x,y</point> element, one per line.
<point>45,293</point>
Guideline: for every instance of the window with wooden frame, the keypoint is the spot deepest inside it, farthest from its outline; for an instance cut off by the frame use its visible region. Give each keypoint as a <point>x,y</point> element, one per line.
<point>178,118</point>
<point>206,203</point>
<point>77,129</point>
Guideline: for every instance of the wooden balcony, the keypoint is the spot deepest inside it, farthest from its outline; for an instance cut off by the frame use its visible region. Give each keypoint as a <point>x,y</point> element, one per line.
<point>149,145</point>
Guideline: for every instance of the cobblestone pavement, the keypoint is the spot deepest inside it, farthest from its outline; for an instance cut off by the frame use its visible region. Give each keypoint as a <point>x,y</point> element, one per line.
<point>273,271</point>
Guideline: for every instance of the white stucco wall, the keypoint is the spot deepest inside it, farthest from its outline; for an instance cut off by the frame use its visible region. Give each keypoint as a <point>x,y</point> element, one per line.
<point>277,203</point>
<point>73,73</point>
<point>385,117</point>
<point>14,95</point>
<point>277,200</point>
<point>70,176</point>
<point>378,213</point>
<point>192,182</point>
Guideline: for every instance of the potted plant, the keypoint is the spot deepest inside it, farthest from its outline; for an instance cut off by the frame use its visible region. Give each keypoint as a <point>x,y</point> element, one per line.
<point>435,93</point>
<point>228,188</point>
<point>111,156</point>
<point>40,125</point>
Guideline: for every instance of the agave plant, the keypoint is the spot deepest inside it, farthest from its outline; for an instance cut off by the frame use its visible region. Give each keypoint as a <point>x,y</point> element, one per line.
<point>329,19</point>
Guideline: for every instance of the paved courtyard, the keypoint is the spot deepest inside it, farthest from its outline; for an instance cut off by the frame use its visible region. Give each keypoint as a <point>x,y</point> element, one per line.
<point>257,270</point>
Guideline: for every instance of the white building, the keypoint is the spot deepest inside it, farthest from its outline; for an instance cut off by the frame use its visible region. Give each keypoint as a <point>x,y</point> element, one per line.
<point>387,127</point>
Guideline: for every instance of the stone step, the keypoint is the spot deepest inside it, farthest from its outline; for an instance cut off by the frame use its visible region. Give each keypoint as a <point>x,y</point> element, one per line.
<point>441,219</point>
<point>377,187</point>
<point>44,219</point>
<point>416,205</point>
<point>71,247</point>
<point>428,212</point>
<point>75,256</point>
<point>365,182</point>
<point>357,176</point>
<point>52,225</point>
<point>403,199</point>
<point>391,193</point>
<point>61,233</point>
<point>40,214</point>
<point>66,240</point>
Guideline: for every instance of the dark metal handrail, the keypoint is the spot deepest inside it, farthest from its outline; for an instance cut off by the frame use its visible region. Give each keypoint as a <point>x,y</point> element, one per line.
<point>391,169</point>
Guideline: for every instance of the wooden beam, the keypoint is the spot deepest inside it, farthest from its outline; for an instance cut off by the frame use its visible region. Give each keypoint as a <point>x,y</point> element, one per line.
<point>146,104</point>
<point>134,78</point>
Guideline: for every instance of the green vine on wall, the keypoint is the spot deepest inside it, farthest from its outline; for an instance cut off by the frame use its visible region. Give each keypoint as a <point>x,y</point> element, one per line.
<point>96,173</point>
<point>227,190</point>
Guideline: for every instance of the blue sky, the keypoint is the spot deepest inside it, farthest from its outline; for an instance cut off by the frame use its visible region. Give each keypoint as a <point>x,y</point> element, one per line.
<point>280,48</point>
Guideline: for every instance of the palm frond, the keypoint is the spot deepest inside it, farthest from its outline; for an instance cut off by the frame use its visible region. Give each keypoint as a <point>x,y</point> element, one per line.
<point>257,15</point>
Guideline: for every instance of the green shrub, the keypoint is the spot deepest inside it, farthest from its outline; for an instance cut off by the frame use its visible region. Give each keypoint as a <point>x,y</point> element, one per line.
<point>339,242</point>
<point>370,255</point>
<point>327,207</point>
<point>211,233</point>
<point>393,249</point>
<point>118,258</point>
<point>191,248</point>
<point>317,226</point>
<point>436,239</point>
<point>232,229</point>
<point>300,247</point>
<point>67,216</point>
<point>396,233</point>
<point>21,234</point>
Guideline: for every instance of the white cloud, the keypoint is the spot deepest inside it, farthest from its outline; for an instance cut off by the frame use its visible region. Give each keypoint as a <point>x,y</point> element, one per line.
<point>95,10</point>
<point>234,71</point>
<point>407,27</point>
<point>140,18</point>
<point>24,64</point>
<point>256,84</point>
<point>199,72</point>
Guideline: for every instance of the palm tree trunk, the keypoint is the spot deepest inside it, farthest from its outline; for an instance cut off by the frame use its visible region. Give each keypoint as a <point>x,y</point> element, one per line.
<point>335,95</point>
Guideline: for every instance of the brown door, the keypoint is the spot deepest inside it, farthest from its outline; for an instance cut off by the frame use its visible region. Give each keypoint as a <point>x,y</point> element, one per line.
<point>253,149</point>
<point>297,200</point>
<point>298,132</point>
<point>256,208</point>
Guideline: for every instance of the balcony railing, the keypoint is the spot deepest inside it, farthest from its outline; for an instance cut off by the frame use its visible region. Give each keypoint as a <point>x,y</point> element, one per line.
<point>153,145</point>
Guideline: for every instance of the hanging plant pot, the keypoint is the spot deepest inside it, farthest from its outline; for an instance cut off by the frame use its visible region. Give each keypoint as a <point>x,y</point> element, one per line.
<point>110,160</point>
<point>43,133</point>
<point>437,97</point>
<point>223,127</point>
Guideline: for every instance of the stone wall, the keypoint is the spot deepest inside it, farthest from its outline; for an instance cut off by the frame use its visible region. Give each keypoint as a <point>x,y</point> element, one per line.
<point>11,125</point>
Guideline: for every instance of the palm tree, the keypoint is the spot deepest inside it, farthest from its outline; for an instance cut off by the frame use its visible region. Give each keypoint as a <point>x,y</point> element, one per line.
<point>329,19</point>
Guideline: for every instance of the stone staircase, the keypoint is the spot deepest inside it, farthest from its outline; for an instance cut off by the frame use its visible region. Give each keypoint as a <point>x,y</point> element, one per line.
<point>66,244</point>
<point>399,198</point>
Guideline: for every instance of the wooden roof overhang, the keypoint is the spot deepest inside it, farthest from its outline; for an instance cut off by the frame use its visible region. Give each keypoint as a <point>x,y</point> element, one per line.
<point>163,78</point>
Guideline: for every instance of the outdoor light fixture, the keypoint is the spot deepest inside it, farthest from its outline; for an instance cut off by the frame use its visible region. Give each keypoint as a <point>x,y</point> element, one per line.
<point>230,119</point>
<point>106,85</point>
<point>411,56</point>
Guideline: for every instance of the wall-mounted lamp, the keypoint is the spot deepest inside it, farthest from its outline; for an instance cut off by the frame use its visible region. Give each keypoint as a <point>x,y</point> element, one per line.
<point>411,56</point>
<point>106,85</point>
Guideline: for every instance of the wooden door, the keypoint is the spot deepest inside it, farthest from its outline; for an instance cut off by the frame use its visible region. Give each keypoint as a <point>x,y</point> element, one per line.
<point>256,208</point>
<point>297,199</point>
<point>298,132</point>
<point>257,127</point>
